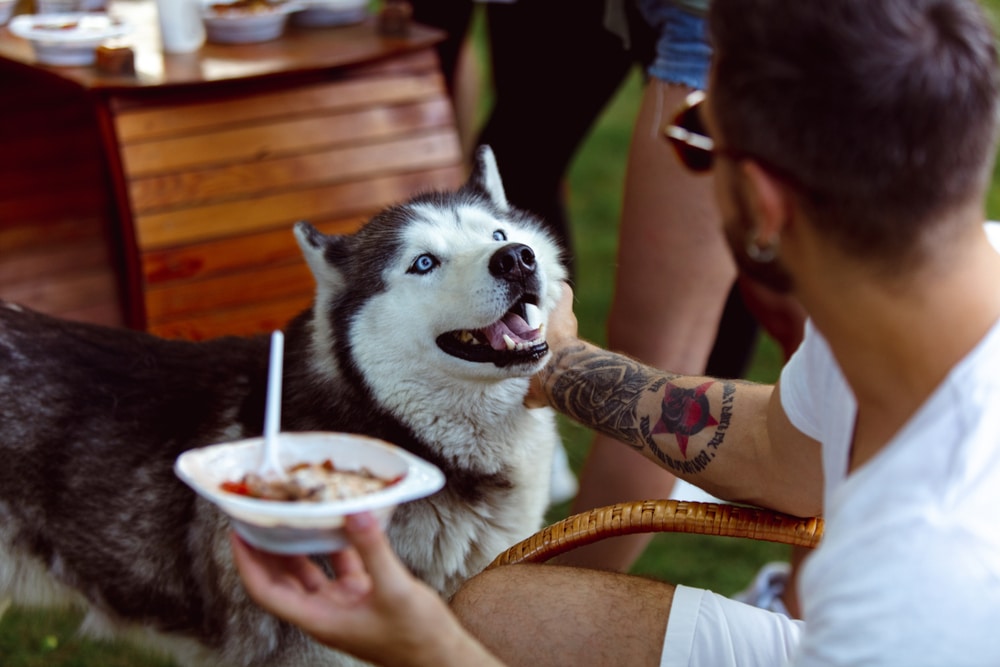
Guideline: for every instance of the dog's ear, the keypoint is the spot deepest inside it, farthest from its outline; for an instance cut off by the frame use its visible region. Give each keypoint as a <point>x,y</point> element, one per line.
<point>485,177</point>
<point>324,254</point>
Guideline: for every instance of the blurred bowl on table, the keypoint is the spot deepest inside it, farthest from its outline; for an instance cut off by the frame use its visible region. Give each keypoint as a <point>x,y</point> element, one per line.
<point>327,13</point>
<point>246,21</point>
<point>67,39</point>
<point>6,10</point>
<point>69,6</point>
<point>305,526</point>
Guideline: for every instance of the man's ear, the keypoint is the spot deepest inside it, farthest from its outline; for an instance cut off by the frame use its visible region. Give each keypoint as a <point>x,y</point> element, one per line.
<point>771,203</point>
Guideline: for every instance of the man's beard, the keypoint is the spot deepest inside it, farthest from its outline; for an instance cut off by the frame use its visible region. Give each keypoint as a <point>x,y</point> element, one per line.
<point>771,274</point>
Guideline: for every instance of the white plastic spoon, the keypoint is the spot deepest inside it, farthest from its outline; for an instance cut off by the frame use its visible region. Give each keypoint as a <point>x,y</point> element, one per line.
<point>270,467</point>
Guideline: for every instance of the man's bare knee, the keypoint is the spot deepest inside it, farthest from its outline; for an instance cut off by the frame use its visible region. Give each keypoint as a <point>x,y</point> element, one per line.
<point>482,596</point>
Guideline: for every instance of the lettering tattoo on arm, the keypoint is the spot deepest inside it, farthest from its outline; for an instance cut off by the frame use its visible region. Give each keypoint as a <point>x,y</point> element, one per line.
<point>603,390</point>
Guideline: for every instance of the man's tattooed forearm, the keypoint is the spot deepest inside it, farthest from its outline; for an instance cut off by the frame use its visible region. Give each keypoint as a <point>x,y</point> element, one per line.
<point>602,391</point>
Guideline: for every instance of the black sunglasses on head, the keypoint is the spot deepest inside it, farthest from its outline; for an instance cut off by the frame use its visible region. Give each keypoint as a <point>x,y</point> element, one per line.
<point>689,137</point>
<point>687,134</point>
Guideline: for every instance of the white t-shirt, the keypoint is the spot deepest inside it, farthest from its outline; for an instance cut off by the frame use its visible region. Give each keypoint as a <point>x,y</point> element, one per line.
<point>908,570</point>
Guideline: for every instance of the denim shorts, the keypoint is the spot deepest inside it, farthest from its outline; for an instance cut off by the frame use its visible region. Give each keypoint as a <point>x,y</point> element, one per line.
<point>683,54</point>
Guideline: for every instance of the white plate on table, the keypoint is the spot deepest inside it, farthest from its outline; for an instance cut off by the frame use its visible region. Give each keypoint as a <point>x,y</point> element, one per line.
<point>67,39</point>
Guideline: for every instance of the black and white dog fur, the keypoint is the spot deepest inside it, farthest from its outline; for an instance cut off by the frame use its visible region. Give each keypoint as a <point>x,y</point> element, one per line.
<point>424,332</point>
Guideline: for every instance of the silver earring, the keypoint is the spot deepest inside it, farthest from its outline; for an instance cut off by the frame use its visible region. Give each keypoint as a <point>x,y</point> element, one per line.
<point>759,254</point>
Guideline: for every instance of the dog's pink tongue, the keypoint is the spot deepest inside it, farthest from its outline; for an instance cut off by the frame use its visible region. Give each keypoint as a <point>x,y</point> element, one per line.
<point>512,325</point>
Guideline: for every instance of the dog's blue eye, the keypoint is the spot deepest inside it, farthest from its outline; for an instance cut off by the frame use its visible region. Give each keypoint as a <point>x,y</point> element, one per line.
<point>499,235</point>
<point>424,264</point>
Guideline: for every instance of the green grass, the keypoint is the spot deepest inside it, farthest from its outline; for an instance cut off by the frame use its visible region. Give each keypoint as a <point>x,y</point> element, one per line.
<point>48,638</point>
<point>31,638</point>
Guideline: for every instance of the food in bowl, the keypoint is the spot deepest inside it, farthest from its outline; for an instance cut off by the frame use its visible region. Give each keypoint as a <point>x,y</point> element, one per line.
<point>245,6</point>
<point>306,527</point>
<point>314,482</point>
<point>57,25</point>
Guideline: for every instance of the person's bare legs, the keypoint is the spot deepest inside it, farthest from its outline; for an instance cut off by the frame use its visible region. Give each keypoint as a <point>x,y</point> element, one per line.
<point>551,615</point>
<point>468,91</point>
<point>674,273</point>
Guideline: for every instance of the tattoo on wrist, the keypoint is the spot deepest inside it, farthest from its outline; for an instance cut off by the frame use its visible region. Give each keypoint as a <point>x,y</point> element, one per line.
<point>603,390</point>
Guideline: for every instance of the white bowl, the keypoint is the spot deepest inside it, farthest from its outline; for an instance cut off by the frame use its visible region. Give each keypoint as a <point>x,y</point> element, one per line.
<point>238,26</point>
<point>305,527</point>
<point>67,39</point>
<point>6,10</point>
<point>327,13</point>
<point>67,6</point>
<point>57,6</point>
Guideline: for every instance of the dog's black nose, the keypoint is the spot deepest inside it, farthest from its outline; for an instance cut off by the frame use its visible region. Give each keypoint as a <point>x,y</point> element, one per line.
<point>513,261</point>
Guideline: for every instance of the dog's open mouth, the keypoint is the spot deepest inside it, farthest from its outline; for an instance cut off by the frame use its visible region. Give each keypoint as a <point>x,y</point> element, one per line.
<point>509,340</point>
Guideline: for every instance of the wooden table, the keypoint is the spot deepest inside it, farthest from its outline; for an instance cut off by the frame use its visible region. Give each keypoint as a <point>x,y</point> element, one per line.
<point>165,200</point>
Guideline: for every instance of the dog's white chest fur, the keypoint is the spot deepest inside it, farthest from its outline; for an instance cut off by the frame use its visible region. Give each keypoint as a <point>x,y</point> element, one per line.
<point>462,538</point>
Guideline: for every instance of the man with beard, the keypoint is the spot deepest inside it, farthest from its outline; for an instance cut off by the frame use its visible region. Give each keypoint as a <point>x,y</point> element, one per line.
<point>852,143</point>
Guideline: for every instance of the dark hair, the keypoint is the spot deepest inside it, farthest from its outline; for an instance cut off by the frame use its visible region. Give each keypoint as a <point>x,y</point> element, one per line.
<point>883,111</point>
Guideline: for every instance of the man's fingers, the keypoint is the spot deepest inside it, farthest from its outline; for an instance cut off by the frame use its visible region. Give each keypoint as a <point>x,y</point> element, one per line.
<point>535,398</point>
<point>261,568</point>
<point>386,570</point>
<point>350,572</point>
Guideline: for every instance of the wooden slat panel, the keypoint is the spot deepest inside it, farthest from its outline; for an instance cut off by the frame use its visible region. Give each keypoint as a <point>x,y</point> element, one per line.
<point>63,269</point>
<point>50,163</point>
<point>64,292</point>
<point>218,220</point>
<point>277,281</point>
<point>251,319</point>
<point>39,149</point>
<point>53,259</point>
<point>108,313</point>
<point>54,179</point>
<point>337,164</point>
<point>216,185</point>
<point>61,203</point>
<point>139,124</point>
<point>15,238</point>
<point>54,206</point>
<point>233,253</point>
<point>424,60</point>
<point>282,137</point>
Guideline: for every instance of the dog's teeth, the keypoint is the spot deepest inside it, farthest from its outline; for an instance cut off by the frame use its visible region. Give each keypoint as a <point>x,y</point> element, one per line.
<point>532,315</point>
<point>511,345</point>
<point>466,337</point>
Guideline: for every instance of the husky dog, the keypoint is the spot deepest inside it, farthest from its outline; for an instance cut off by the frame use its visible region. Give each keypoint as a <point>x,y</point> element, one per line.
<point>425,328</point>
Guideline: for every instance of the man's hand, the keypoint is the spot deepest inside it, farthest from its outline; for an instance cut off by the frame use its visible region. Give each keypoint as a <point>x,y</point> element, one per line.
<point>560,330</point>
<point>373,608</point>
